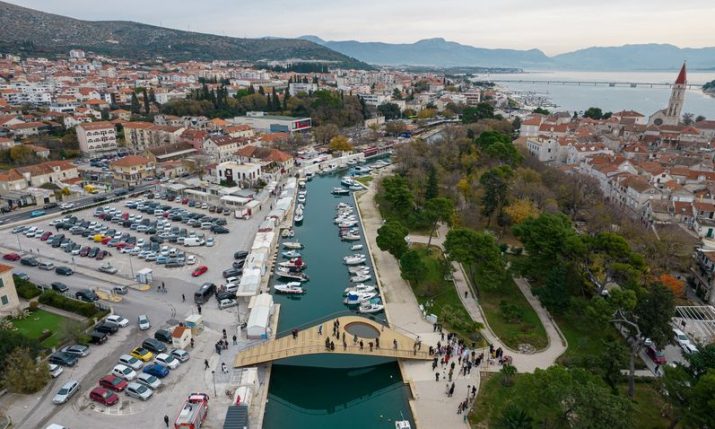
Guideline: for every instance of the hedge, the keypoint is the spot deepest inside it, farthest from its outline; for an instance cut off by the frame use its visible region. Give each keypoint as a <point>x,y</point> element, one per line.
<point>56,300</point>
<point>26,289</point>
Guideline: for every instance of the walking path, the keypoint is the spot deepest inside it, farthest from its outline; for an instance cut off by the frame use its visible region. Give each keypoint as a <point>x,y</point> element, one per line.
<point>524,362</point>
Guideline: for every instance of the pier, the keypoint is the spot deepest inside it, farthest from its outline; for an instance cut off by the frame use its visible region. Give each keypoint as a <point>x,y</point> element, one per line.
<point>593,83</point>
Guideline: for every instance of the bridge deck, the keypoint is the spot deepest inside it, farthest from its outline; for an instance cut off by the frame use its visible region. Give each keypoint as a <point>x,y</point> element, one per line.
<point>310,342</point>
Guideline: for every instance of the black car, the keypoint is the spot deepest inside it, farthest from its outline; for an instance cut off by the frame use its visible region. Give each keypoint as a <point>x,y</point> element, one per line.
<point>50,206</point>
<point>239,264</point>
<point>107,327</point>
<point>30,261</point>
<point>241,254</point>
<point>93,252</point>
<point>59,287</point>
<point>97,337</point>
<point>87,295</point>
<point>232,272</point>
<point>220,221</point>
<point>99,198</point>
<point>154,345</point>
<point>64,271</point>
<point>221,295</point>
<point>218,229</point>
<point>163,335</point>
<point>62,358</point>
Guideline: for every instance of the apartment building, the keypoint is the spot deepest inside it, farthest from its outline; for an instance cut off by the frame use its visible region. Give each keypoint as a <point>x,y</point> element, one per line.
<point>96,138</point>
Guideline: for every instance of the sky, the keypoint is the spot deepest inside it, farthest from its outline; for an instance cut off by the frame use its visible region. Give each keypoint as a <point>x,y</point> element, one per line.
<point>554,26</point>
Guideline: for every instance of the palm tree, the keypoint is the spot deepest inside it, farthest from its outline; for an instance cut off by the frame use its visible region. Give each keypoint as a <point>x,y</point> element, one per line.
<point>508,372</point>
<point>514,417</point>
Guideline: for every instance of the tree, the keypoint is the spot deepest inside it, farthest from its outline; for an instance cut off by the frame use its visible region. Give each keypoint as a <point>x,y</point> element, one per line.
<point>688,118</point>
<point>396,94</point>
<point>391,238</point>
<point>700,118</point>
<point>22,374</point>
<point>479,253</point>
<point>396,193</point>
<point>340,144</point>
<point>691,388</point>
<point>412,267</point>
<point>496,187</point>
<point>11,340</point>
<point>324,133</point>
<point>395,128</point>
<point>654,312</point>
<point>593,113</point>
<point>432,189</point>
<point>389,111</point>
<point>145,97</point>
<point>477,113</point>
<point>677,287</point>
<point>22,154</point>
<point>541,111</point>
<point>508,371</point>
<point>521,210</point>
<point>134,107</point>
<point>437,210</point>
<point>513,417</point>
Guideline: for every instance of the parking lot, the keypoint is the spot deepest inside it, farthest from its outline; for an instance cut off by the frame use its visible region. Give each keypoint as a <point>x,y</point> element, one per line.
<point>163,309</point>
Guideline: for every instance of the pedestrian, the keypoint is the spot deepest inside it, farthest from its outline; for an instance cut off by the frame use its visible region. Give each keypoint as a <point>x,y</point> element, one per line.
<point>183,298</point>
<point>377,342</point>
<point>166,420</point>
<point>224,333</point>
<point>434,364</point>
<point>163,285</point>
<point>451,390</point>
<point>192,343</point>
<point>235,340</point>
<point>320,330</point>
<point>361,344</point>
<point>198,307</point>
<point>394,344</point>
<point>223,367</point>
<point>466,294</point>
<point>434,327</point>
<point>206,364</point>
<point>451,373</point>
<point>436,376</point>
<point>370,344</point>
<point>332,346</point>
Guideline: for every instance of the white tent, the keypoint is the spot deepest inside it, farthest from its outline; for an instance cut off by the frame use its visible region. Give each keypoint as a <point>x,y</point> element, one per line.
<point>250,283</point>
<point>263,240</point>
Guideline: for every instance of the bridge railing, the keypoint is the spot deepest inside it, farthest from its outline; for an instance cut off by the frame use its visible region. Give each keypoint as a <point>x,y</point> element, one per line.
<point>317,321</point>
<point>386,350</point>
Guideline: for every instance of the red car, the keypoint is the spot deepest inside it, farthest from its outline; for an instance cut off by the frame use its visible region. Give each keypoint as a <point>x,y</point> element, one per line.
<point>11,257</point>
<point>118,384</point>
<point>46,236</point>
<point>657,356</point>
<point>199,270</point>
<point>184,201</point>
<point>103,396</point>
<point>106,240</point>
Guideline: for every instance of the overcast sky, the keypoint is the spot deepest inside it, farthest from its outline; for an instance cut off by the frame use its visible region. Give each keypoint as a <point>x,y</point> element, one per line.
<point>554,26</point>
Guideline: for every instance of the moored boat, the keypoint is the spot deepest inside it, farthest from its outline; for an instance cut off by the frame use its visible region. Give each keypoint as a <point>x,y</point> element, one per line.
<point>356,247</point>
<point>355,298</point>
<point>292,245</point>
<point>288,233</point>
<point>295,264</point>
<point>341,191</point>
<point>286,274</point>
<point>369,307</point>
<point>292,288</point>
<point>362,287</point>
<point>291,254</point>
<point>355,259</point>
<point>360,278</point>
<point>350,237</point>
<point>359,269</point>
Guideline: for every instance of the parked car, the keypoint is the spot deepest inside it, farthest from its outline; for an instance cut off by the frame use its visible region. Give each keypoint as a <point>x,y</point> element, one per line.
<point>131,361</point>
<point>96,337</point>
<point>148,380</point>
<point>55,370</point>
<point>118,320</point>
<point>683,341</point>
<point>163,335</point>
<point>66,392</point>
<point>59,287</point>
<point>180,354</point>
<point>657,356</point>
<point>64,359</point>
<point>64,271</point>
<point>156,369</point>
<point>199,270</point>
<point>142,354</point>
<point>143,322</point>
<point>154,345</point>
<point>107,268</point>
<point>107,327</point>
<point>103,396</point>
<point>139,391</point>
<point>86,295</point>
<point>11,257</point>
<point>78,350</point>
<point>113,382</point>
<point>124,371</point>
<point>37,213</point>
<point>226,303</point>
<point>167,360</point>
<point>30,261</point>
<point>232,272</point>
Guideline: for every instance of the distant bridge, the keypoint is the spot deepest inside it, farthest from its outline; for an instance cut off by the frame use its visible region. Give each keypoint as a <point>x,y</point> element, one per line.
<point>594,83</point>
<point>310,342</point>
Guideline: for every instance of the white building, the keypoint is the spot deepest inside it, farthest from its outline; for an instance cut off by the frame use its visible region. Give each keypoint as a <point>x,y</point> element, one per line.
<point>273,124</point>
<point>96,137</point>
<point>544,149</point>
<point>296,88</point>
<point>230,171</point>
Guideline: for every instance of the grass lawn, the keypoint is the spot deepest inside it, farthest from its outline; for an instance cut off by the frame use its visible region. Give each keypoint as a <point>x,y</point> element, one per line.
<point>39,320</point>
<point>365,180</point>
<point>524,329</point>
<point>439,296</point>
<point>647,406</point>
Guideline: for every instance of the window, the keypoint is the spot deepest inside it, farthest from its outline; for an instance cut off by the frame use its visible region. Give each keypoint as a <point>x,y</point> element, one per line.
<point>2,283</point>
<point>4,300</point>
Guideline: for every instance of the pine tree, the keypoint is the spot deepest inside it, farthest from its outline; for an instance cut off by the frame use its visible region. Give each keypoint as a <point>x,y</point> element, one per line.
<point>135,108</point>
<point>251,89</point>
<point>432,190</point>
<point>286,95</point>
<point>146,101</point>
<point>152,96</point>
<point>261,90</point>
<point>275,103</point>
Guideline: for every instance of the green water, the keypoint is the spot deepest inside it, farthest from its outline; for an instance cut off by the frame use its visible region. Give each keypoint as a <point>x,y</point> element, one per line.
<point>329,391</point>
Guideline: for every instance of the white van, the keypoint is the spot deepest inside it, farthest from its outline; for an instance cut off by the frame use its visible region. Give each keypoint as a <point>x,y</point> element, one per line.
<point>46,265</point>
<point>193,241</point>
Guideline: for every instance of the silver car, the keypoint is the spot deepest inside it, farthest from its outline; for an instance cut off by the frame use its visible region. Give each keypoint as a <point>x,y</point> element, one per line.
<point>180,354</point>
<point>139,391</point>
<point>79,350</point>
<point>131,362</point>
<point>143,321</point>
<point>148,380</point>
<point>66,392</point>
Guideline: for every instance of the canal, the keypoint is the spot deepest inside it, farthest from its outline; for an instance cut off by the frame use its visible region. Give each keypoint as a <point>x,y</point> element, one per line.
<point>329,391</point>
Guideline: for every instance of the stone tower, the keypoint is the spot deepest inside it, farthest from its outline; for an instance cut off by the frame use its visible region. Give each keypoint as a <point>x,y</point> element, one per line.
<point>671,114</point>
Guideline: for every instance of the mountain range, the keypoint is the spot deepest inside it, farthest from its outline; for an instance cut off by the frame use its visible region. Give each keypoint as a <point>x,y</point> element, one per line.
<point>31,32</point>
<point>442,53</point>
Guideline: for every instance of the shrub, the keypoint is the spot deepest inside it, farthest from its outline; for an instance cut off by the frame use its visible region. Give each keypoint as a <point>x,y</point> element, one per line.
<point>33,305</point>
<point>56,300</point>
<point>46,333</point>
<point>26,289</point>
<point>510,312</point>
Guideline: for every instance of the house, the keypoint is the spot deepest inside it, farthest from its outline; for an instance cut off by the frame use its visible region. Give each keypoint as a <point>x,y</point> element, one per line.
<point>244,131</point>
<point>28,129</point>
<point>530,126</point>
<point>704,272</point>
<point>543,149</point>
<point>171,169</point>
<point>270,158</point>
<point>21,178</point>
<point>121,114</point>
<point>222,148</point>
<point>181,337</point>
<point>96,137</point>
<point>132,169</point>
<point>246,174</point>
<point>143,135</point>
<point>6,143</point>
<point>40,152</point>
<point>9,302</point>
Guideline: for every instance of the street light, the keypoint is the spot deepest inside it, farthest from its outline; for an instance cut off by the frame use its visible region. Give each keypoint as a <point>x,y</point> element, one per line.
<point>213,375</point>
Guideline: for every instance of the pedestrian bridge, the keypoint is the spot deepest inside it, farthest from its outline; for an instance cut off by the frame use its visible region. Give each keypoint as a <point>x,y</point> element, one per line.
<point>354,329</point>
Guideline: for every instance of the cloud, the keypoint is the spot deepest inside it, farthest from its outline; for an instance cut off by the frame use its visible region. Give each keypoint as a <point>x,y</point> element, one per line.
<point>551,25</point>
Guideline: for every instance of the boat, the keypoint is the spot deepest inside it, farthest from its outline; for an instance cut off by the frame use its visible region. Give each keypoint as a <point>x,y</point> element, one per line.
<point>298,218</point>
<point>347,223</point>
<point>292,245</point>
<point>292,288</point>
<point>362,169</point>
<point>355,259</point>
<point>343,206</point>
<point>360,278</point>
<point>369,307</point>
<point>355,298</point>
<point>301,198</point>
<point>288,233</point>
<point>309,176</point>
<point>352,161</point>
<point>301,184</point>
<point>356,247</point>
<point>356,187</point>
<point>295,264</point>
<point>360,288</point>
<point>402,424</point>
<point>347,181</point>
<point>291,254</point>
<point>359,269</point>
<point>340,191</point>
<point>285,274</point>
<point>350,237</point>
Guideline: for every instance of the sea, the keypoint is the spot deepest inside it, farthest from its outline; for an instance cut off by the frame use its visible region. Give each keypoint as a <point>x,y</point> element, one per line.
<point>643,99</point>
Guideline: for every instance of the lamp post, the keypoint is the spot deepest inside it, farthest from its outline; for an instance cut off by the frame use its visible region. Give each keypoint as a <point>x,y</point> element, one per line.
<point>213,375</point>
<point>18,241</point>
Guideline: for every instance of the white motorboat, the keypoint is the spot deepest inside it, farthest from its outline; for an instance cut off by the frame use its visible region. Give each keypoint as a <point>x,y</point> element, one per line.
<point>350,237</point>
<point>356,247</point>
<point>352,162</point>
<point>292,288</point>
<point>360,288</point>
<point>369,307</point>
<point>355,259</point>
<point>301,183</point>
<point>300,207</point>
<point>301,199</point>
<point>362,169</point>
<point>286,274</point>
<point>356,187</point>
<point>340,191</point>
<point>347,181</point>
<point>309,176</point>
<point>288,233</point>
<point>402,424</point>
<point>296,264</point>
<point>347,223</point>
<point>359,269</point>
<point>298,218</point>
<point>291,254</point>
<point>355,298</point>
<point>343,206</point>
<point>292,245</point>
<point>360,278</point>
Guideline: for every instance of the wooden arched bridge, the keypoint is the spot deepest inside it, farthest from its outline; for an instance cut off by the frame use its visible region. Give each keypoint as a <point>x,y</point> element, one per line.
<point>354,329</point>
